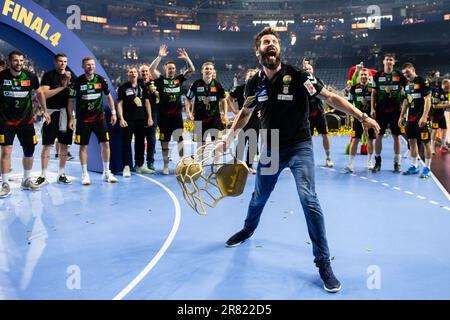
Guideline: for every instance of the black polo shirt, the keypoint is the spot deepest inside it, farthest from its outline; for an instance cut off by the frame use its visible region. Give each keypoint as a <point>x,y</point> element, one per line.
<point>55,80</point>
<point>130,95</point>
<point>151,96</point>
<point>283,103</point>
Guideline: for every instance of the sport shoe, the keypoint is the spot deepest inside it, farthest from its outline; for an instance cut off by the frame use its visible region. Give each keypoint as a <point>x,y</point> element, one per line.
<point>62,179</point>
<point>56,156</point>
<point>126,173</point>
<point>426,173</point>
<point>330,282</point>
<point>165,171</point>
<point>377,166</point>
<point>109,177</point>
<point>85,180</point>
<point>27,184</point>
<point>369,165</point>
<point>70,156</point>
<point>41,181</point>
<point>411,170</point>
<point>349,168</point>
<point>151,167</point>
<point>329,163</point>
<point>238,238</point>
<point>5,191</point>
<point>143,170</point>
<point>397,168</point>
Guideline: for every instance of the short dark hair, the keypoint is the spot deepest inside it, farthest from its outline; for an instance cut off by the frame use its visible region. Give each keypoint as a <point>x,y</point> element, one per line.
<point>407,65</point>
<point>262,33</point>
<point>60,55</point>
<point>14,53</point>
<point>389,55</point>
<point>169,62</point>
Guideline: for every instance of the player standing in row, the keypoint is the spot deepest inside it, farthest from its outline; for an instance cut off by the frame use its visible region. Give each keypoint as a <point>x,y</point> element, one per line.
<point>416,108</point>
<point>87,96</point>
<point>208,105</point>
<point>16,118</point>
<point>55,85</point>
<point>360,95</point>
<point>387,97</point>
<point>170,107</point>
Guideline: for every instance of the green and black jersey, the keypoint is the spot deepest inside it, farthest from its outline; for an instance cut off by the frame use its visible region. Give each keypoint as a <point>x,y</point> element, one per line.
<point>207,98</point>
<point>438,96</point>
<point>16,107</point>
<point>389,88</point>
<point>360,96</point>
<point>89,99</point>
<point>170,95</point>
<point>416,91</point>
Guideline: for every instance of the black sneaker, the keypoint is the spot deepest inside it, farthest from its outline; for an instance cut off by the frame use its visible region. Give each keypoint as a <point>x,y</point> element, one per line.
<point>70,156</point>
<point>40,181</point>
<point>62,179</point>
<point>397,168</point>
<point>56,156</point>
<point>330,283</point>
<point>377,166</point>
<point>238,238</point>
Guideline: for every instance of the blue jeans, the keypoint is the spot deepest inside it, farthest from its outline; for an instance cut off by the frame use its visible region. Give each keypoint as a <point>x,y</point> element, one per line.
<point>300,159</point>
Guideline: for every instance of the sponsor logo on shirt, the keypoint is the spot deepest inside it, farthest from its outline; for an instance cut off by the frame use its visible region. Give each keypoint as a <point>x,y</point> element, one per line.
<point>7,83</point>
<point>285,97</point>
<point>213,89</point>
<point>83,87</point>
<point>417,86</point>
<point>396,78</point>
<point>263,98</point>
<point>172,90</point>
<point>98,86</point>
<point>25,83</point>
<point>310,87</point>
<point>93,96</point>
<point>16,94</point>
<point>200,89</point>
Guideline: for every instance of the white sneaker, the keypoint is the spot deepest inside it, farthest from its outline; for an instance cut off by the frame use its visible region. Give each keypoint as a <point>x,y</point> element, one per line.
<point>349,168</point>
<point>329,163</point>
<point>165,171</point>
<point>109,177</point>
<point>126,172</point>
<point>27,184</point>
<point>85,180</point>
<point>143,170</point>
<point>5,191</point>
<point>369,165</point>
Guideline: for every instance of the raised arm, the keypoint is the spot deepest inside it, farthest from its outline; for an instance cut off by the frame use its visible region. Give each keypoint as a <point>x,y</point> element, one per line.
<point>182,54</point>
<point>154,65</point>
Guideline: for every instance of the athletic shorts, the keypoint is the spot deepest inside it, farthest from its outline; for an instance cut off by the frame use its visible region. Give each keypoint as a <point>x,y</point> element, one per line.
<point>439,123</point>
<point>390,119</point>
<point>318,121</point>
<point>414,132</point>
<point>215,130</point>
<point>358,130</point>
<point>25,133</point>
<point>168,124</point>
<point>84,129</point>
<point>51,131</point>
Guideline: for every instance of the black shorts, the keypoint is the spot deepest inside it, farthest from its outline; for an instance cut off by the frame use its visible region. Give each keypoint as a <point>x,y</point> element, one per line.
<point>215,130</point>
<point>390,119</point>
<point>318,121</point>
<point>414,132</point>
<point>168,124</point>
<point>25,133</point>
<point>84,129</point>
<point>439,123</point>
<point>51,131</point>
<point>358,130</point>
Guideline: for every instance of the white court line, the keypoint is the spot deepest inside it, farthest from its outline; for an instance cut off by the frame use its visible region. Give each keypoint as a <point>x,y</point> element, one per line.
<point>439,184</point>
<point>408,192</point>
<point>397,188</point>
<point>374,181</point>
<point>421,197</point>
<point>434,202</point>
<point>386,184</point>
<point>163,249</point>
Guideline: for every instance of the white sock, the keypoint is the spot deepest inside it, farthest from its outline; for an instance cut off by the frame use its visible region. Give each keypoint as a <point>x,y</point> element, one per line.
<point>369,157</point>
<point>44,173</point>
<point>350,160</point>
<point>84,169</point>
<point>61,171</point>
<point>377,155</point>
<point>428,163</point>
<point>398,158</point>
<point>328,153</point>
<point>26,174</point>
<point>414,161</point>
<point>105,166</point>
<point>5,177</point>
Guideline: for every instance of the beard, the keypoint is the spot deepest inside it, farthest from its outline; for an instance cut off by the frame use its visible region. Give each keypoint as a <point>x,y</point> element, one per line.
<point>266,60</point>
<point>16,68</point>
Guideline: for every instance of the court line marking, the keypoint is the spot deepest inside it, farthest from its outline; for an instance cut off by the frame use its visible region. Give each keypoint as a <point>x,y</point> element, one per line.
<point>125,291</point>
